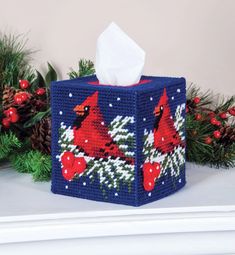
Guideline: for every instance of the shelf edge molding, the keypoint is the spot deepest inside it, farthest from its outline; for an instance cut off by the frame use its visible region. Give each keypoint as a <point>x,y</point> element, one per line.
<point>127,223</point>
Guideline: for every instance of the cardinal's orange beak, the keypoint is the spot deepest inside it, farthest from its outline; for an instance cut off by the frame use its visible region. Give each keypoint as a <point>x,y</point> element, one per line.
<point>157,111</point>
<point>79,109</point>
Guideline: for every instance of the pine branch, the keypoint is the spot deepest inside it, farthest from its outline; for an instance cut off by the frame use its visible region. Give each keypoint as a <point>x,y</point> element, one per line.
<point>210,129</point>
<point>14,60</point>
<point>8,143</point>
<point>86,68</point>
<point>122,136</point>
<point>34,162</point>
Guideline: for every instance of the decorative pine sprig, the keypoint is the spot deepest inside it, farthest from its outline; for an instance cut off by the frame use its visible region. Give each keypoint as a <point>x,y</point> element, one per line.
<point>33,162</point>
<point>86,67</point>
<point>14,60</point>
<point>8,143</point>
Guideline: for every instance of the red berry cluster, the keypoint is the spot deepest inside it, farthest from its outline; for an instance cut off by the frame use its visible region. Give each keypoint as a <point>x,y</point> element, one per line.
<point>11,116</point>
<point>72,165</point>
<point>21,97</point>
<point>215,122</point>
<point>151,172</point>
<point>216,119</point>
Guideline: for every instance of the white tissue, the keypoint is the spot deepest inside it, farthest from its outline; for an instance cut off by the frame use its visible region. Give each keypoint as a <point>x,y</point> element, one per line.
<point>119,60</point>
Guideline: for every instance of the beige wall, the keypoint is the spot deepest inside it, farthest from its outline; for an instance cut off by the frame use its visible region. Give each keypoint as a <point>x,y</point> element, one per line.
<point>191,38</point>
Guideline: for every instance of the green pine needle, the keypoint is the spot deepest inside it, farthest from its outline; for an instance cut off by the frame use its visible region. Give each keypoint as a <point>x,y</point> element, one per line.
<point>14,60</point>
<point>34,162</point>
<point>8,143</point>
<point>86,67</point>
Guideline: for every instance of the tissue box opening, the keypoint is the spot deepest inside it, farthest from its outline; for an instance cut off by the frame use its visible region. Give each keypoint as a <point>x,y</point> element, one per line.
<point>142,81</point>
<point>118,144</point>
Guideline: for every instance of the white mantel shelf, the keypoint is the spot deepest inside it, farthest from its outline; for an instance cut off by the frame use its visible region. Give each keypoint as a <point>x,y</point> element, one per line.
<point>198,219</point>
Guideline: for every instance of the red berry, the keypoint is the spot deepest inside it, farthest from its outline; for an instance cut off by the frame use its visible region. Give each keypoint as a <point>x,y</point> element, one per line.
<point>197,100</point>
<point>10,111</point>
<point>156,169</point>
<point>232,111</point>
<point>149,184</point>
<point>67,173</point>
<point>40,91</point>
<point>214,121</point>
<point>79,165</point>
<point>151,171</point>
<point>6,122</point>
<point>208,140</point>
<point>24,84</point>
<point>187,109</point>
<point>217,134</point>
<point>218,123</point>
<point>198,116</point>
<point>211,114</point>
<point>21,97</point>
<point>24,96</point>
<point>67,159</point>
<point>18,99</point>
<point>147,169</point>
<point>223,115</point>
<point>14,118</point>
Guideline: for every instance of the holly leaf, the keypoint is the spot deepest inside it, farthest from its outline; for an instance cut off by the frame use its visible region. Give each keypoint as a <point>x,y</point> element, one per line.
<point>51,75</point>
<point>39,82</point>
<point>37,118</point>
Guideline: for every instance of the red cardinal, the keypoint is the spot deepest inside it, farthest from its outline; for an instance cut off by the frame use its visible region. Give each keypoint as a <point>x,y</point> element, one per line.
<point>91,134</point>
<point>166,138</point>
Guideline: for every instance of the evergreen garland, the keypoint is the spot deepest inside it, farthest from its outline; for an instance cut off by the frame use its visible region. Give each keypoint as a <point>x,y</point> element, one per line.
<point>16,144</point>
<point>210,125</point>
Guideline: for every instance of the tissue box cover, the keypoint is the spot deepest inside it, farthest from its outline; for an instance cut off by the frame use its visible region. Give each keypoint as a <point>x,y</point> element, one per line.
<point>118,144</point>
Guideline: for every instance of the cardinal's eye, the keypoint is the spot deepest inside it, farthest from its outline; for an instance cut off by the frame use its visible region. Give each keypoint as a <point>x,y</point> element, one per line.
<point>86,108</point>
<point>161,108</point>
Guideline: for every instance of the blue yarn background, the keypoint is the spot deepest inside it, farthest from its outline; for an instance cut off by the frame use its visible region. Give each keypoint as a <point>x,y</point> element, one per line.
<point>134,101</point>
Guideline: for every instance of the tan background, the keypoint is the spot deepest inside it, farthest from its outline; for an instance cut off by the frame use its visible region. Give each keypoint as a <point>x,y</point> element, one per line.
<point>190,38</point>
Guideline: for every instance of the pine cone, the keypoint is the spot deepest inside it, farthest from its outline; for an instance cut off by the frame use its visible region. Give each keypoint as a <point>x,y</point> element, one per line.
<point>8,97</point>
<point>41,136</point>
<point>227,135</point>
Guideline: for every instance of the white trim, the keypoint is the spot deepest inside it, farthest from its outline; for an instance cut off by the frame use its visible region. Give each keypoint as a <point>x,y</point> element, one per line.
<point>116,223</point>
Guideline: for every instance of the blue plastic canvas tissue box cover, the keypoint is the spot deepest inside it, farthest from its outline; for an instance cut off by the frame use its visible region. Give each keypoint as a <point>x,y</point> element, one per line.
<point>118,144</point>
